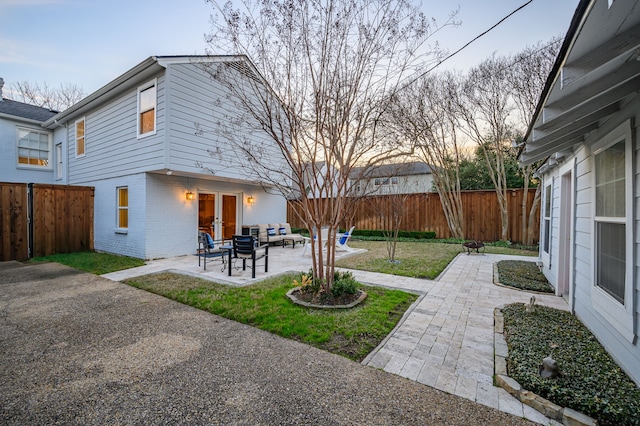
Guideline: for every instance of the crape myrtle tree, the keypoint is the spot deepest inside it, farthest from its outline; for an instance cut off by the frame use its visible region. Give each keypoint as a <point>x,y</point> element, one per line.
<point>527,77</point>
<point>324,71</point>
<point>485,106</point>
<point>423,113</point>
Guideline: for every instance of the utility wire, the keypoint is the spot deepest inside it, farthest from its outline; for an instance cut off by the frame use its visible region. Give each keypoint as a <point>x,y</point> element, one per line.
<point>466,45</point>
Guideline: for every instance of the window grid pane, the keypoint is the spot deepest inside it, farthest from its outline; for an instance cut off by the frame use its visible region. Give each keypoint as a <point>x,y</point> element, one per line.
<point>610,181</point>
<point>611,259</point>
<point>147,121</point>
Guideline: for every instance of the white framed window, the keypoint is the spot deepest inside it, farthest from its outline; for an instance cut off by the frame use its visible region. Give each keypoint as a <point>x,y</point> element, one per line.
<point>34,148</point>
<point>547,219</point>
<point>147,100</point>
<point>80,139</point>
<point>59,159</point>
<point>122,214</point>
<point>611,292</point>
<point>394,180</point>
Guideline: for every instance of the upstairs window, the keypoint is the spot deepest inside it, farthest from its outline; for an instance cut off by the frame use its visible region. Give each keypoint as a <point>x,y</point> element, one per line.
<point>80,138</point>
<point>34,148</point>
<point>147,100</point>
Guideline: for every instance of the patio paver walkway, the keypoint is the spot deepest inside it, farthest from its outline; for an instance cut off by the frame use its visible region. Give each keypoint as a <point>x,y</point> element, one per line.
<point>447,340</point>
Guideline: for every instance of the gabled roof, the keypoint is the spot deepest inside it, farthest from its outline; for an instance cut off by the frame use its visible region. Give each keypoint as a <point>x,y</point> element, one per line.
<point>596,72</point>
<point>22,110</point>
<point>132,78</point>
<point>389,170</point>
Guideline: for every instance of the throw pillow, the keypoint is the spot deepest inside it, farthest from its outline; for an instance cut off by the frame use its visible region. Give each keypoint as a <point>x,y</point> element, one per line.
<point>209,241</point>
<point>283,230</point>
<point>271,232</point>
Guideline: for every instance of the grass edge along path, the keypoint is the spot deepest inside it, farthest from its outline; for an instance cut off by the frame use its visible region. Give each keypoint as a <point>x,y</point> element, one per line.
<point>92,262</point>
<point>352,333</point>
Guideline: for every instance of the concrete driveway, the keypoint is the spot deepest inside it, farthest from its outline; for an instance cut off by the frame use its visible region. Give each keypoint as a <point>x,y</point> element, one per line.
<point>80,349</point>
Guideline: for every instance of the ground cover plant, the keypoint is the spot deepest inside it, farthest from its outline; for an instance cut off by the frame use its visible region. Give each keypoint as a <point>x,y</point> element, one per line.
<point>523,275</point>
<point>591,381</point>
<point>416,259</point>
<point>352,333</point>
<point>93,262</point>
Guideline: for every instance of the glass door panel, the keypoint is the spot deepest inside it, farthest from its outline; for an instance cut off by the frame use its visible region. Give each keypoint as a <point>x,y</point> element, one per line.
<point>207,213</point>
<point>229,215</point>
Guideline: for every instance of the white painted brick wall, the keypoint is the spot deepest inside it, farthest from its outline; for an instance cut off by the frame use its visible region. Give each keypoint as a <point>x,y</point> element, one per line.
<point>105,236</point>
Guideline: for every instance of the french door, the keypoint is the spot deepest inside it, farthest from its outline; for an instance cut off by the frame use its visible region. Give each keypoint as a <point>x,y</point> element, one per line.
<point>218,214</point>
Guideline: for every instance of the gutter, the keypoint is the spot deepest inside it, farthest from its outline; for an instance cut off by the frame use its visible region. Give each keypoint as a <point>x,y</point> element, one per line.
<point>104,91</point>
<point>579,17</point>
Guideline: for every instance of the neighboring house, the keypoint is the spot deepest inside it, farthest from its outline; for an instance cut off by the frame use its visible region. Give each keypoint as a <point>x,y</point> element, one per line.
<point>398,178</point>
<point>27,149</point>
<point>136,141</point>
<point>586,130</point>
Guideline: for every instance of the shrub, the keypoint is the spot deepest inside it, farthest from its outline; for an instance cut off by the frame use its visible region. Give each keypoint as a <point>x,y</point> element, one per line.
<point>591,381</point>
<point>344,283</point>
<point>418,235</point>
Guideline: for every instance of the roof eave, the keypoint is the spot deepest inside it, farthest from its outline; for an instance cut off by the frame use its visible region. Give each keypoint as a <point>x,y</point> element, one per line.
<point>88,102</point>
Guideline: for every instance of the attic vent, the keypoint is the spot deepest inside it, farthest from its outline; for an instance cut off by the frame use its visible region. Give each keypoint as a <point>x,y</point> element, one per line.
<point>243,69</point>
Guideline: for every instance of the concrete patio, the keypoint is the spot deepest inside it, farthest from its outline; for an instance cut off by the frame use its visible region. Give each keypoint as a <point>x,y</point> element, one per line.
<point>445,340</point>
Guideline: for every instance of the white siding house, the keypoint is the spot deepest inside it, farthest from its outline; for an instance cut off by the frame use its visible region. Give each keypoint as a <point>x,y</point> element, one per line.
<point>135,141</point>
<point>398,178</point>
<point>585,131</point>
<point>28,153</point>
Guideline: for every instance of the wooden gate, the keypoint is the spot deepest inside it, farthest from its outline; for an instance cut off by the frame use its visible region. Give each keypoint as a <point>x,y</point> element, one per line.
<point>40,220</point>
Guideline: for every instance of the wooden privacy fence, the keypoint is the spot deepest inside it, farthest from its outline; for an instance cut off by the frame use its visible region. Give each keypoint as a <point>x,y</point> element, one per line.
<point>423,212</point>
<point>40,220</point>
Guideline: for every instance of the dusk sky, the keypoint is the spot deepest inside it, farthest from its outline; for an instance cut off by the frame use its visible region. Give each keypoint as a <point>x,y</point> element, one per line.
<point>90,43</point>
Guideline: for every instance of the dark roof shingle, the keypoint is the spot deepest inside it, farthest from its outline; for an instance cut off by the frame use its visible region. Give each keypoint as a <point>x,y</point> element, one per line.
<point>20,109</point>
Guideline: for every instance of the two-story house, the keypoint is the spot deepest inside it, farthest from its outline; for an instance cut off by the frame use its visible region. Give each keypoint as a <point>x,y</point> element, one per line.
<point>136,141</point>
<point>27,148</point>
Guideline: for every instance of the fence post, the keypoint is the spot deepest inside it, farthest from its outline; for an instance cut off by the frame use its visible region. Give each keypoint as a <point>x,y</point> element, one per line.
<point>30,220</point>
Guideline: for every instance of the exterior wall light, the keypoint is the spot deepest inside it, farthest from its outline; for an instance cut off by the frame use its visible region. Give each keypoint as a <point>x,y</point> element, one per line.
<point>189,195</point>
<point>250,199</point>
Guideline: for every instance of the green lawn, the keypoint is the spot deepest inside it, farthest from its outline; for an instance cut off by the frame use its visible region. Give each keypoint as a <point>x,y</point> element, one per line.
<point>352,333</point>
<point>416,259</point>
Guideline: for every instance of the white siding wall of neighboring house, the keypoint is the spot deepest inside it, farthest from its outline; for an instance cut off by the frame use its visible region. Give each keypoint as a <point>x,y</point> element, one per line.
<point>412,184</point>
<point>626,352</point>
<point>198,100</point>
<point>111,144</point>
<point>10,170</point>
<point>106,237</point>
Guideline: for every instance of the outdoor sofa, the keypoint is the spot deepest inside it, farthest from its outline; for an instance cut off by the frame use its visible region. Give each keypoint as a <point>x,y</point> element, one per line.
<point>278,233</point>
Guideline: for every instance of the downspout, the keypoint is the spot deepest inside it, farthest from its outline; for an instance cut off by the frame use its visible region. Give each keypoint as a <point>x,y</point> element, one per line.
<point>572,251</point>
<point>553,196</point>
